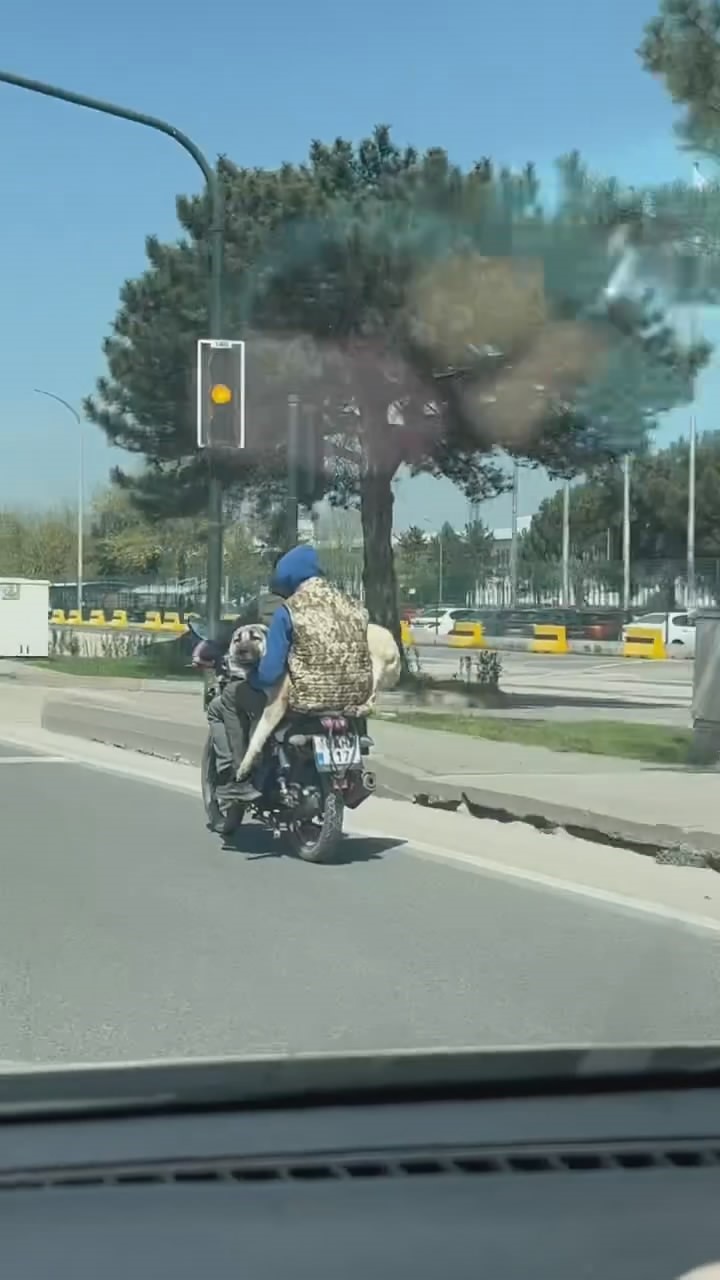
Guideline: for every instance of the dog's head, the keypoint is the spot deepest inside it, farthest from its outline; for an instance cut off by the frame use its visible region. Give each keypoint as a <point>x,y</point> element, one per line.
<point>248,644</point>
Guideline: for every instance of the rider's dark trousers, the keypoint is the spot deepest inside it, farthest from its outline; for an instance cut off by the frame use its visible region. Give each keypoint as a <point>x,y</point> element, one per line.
<point>229,716</point>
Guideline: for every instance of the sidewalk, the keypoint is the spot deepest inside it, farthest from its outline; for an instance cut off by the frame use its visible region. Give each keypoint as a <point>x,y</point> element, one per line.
<point>669,811</point>
<point>626,801</point>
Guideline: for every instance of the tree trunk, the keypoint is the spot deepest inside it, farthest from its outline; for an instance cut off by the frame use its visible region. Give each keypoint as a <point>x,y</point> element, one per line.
<point>379,581</point>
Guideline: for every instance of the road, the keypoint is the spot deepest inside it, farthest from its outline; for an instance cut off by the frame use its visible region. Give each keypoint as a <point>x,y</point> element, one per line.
<point>581,676</point>
<point>127,931</point>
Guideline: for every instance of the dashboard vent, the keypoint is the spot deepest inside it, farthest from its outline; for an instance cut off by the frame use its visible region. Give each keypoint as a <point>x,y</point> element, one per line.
<point>475,1162</point>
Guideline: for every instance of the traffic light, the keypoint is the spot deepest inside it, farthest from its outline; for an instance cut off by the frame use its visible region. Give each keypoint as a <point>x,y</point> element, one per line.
<point>220,394</point>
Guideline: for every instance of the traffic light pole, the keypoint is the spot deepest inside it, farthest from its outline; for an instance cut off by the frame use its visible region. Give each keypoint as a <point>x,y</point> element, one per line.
<point>215,199</point>
<point>215,491</point>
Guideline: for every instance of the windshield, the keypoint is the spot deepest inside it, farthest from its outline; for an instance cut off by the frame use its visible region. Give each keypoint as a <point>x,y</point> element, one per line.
<point>341,460</point>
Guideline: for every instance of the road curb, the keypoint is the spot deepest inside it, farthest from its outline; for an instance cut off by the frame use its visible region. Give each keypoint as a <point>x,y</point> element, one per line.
<point>673,846</point>
<point>182,742</point>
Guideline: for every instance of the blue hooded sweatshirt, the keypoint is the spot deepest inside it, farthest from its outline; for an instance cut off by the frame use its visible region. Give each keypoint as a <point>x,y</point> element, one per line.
<point>296,567</point>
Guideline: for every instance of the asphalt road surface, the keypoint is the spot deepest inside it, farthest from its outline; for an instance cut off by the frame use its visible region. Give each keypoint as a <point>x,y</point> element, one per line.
<point>127,931</point>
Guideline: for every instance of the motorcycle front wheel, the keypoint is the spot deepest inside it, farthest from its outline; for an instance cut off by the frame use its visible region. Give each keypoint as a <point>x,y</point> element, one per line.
<point>222,823</point>
<point>316,839</point>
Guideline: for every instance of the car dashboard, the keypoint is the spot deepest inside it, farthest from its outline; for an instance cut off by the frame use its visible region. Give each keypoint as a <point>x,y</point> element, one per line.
<point>610,1181</point>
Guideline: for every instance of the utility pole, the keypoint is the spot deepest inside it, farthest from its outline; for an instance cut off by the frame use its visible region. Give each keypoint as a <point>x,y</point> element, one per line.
<point>293,470</point>
<point>626,534</point>
<point>215,308</point>
<point>692,478</point>
<point>696,272</point>
<point>514,535</point>
<point>566,546</point>
<point>692,468</point>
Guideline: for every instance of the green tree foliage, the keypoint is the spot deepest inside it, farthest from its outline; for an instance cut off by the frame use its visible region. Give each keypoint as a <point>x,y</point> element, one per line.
<point>682,46</point>
<point>123,544</point>
<point>658,517</point>
<point>445,567</point>
<point>426,316</point>
<point>39,544</point>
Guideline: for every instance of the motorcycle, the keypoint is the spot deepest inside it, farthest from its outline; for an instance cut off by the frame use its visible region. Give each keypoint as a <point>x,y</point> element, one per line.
<point>313,767</point>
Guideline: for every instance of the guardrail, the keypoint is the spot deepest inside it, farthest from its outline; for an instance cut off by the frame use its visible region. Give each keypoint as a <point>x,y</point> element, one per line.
<point>547,638</point>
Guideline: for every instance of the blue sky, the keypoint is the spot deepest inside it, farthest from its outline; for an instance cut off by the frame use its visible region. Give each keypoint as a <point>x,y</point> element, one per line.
<point>80,191</point>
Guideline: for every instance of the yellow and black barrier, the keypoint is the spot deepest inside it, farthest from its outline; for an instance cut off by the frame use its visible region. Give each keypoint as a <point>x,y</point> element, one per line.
<point>406,636</point>
<point>644,642</point>
<point>467,635</point>
<point>549,638</point>
<point>154,620</point>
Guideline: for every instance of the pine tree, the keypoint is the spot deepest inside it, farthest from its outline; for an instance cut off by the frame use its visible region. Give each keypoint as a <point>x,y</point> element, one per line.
<point>427,317</point>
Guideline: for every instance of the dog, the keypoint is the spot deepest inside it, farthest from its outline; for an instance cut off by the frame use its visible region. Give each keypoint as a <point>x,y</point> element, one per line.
<point>245,650</point>
<point>386,668</point>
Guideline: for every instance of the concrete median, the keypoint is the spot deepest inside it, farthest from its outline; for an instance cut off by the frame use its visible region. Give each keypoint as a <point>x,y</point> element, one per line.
<point>528,644</point>
<point>110,639</point>
<point>176,739</point>
<point>662,812</point>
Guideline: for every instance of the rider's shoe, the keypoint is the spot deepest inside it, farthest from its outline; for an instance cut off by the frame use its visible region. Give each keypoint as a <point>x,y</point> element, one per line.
<point>233,792</point>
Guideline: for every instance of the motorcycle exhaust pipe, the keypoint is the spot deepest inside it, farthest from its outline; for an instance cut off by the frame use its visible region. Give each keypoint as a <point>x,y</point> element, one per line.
<point>359,789</point>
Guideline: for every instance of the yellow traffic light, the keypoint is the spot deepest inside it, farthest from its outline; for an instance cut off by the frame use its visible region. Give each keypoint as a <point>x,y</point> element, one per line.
<point>220,394</point>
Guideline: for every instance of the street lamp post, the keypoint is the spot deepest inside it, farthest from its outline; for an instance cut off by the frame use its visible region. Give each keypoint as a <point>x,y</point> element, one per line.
<point>626,548</point>
<point>292,506</point>
<point>217,240</point>
<point>440,564</point>
<point>566,546</point>
<point>80,492</point>
<point>514,534</point>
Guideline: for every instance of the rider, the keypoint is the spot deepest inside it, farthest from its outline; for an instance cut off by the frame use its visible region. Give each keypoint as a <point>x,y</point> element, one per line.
<point>318,636</point>
<point>230,710</point>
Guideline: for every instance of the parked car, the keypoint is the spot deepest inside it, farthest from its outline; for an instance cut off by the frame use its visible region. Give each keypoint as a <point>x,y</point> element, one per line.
<point>677,628</point>
<point>439,622</point>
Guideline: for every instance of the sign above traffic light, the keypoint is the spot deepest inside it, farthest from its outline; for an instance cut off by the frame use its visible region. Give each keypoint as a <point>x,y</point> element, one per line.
<point>220,394</point>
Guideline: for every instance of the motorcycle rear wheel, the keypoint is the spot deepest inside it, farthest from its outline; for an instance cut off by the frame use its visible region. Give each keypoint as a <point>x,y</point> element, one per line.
<point>317,842</point>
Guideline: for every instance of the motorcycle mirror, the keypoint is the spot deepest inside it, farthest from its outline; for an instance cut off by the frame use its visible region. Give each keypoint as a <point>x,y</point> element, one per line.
<point>197,627</point>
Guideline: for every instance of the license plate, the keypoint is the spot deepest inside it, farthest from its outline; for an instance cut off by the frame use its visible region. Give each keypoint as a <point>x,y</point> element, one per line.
<point>343,752</point>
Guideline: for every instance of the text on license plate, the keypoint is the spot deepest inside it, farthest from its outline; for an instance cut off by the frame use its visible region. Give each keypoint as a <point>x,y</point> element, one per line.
<point>342,752</point>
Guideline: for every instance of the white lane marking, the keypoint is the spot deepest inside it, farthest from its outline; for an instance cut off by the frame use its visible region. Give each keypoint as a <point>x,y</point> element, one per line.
<point>501,870</point>
<point>184,778</point>
<point>34,760</point>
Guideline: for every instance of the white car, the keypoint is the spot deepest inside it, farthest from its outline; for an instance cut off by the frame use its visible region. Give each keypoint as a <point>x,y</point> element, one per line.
<point>437,622</point>
<point>677,628</point>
